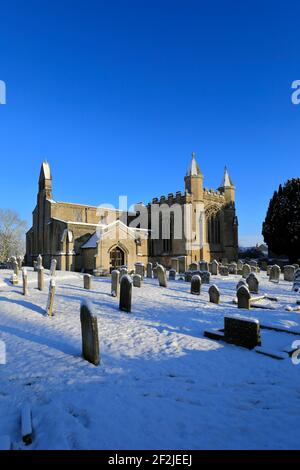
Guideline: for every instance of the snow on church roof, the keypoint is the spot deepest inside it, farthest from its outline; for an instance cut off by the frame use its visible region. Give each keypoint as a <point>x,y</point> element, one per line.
<point>193,169</point>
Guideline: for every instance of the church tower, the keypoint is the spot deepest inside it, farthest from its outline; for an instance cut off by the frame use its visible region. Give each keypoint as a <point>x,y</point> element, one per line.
<point>227,187</point>
<point>45,181</point>
<point>194,180</point>
<point>42,214</point>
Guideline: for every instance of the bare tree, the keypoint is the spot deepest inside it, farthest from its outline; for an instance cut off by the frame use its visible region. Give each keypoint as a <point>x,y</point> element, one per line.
<point>12,235</point>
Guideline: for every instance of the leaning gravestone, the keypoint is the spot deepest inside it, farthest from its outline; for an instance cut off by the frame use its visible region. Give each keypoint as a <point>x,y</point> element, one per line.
<point>214,294</point>
<point>289,273</point>
<point>274,273</point>
<point>53,267</point>
<point>172,275</point>
<point>205,277</point>
<point>242,331</point>
<point>196,284</point>
<point>149,270</point>
<point>137,280</point>
<point>296,283</point>
<point>243,296</point>
<point>115,280</point>
<point>25,281</point>
<point>214,268</point>
<point>253,283</point>
<point>246,270</point>
<point>89,333</point>
<point>162,276</point>
<point>203,266</point>
<point>125,293</point>
<point>223,270</point>
<point>87,281</point>
<point>41,278</point>
<point>140,269</point>
<point>51,295</point>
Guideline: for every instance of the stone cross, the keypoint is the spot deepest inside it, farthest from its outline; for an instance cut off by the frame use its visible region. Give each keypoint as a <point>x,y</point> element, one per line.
<point>253,283</point>
<point>214,268</point>
<point>50,301</point>
<point>162,276</point>
<point>53,267</point>
<point>149,271</point>
<point>41,278</point>
<point>196,285</point>
<point>137,280</point>
<point>89,333</point>
<point>246,270</point>
<point>115,280</point>
<point>125,293</point>
<point>274,273</point>
<point>243,296</point>
<point>87,281</point>
<point>288,273</point>
<point>172,275</point>
<point>214,294</point>
<point>25,281</point>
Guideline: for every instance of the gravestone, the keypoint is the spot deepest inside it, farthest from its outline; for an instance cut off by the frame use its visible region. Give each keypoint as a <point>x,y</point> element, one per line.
<point>149,271</point>
<point>242,331</point>
<point>14,279</point>
<point>242,282</point>
<point>182,264</point>
<point>140,269</point>
<point>154,270</point>
<point>35,266</point>
<point>172,275</point>
<point>115,280</point>
<point>15,267</point>
<point>87,281</point>
<point>162,276</point>
<point>205,277</point>
<point>232,268</point>
<point>51,295</point>
<point>214,294</point>
<point>239,267</point>
<point>53,267</point>
<point>188,276</point>
<point>89,334</point>
<point>246,270</point>
<point>25,281</point>
<point>274,273</point>
<point>214,267</point>
<point>252,282</point>
<point>41,278</point>
<point>203,266</point>
<point>125,293</point>
<point>253,263</point>
<point>268,270</point>
<point>243,297</point>
<point>296,283</point>
<point>137,280</point>
<point>123,272</point>
<point>289,273</point>
<point>193,267</point>
<point>223,270</point>
<point>196,284</point>
<point>175,264</point>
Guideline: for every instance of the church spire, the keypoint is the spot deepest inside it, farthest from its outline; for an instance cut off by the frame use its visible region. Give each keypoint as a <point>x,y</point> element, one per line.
<point>45,180</point>
<point>226,181</point>
<point>193,169</point>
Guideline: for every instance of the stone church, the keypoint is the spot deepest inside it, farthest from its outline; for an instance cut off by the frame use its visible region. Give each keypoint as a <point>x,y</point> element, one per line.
<point>197,224</point>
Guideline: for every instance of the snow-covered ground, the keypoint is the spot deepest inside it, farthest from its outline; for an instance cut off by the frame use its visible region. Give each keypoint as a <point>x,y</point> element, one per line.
<point>160,384</point>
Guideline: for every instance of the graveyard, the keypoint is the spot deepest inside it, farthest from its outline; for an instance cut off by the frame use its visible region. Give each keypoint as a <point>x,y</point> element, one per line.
<point>168,374</point>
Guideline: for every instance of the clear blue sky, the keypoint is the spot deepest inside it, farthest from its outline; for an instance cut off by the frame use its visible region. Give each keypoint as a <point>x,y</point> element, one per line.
<point>117,94</point>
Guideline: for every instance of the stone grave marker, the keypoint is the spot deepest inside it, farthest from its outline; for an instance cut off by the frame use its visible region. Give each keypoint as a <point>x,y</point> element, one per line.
<point>125,293</point>
<point>196,284</point>
<point>172,275</point>
<point>115,280</point>
<point>223,270</point>
<point>25,281</point>
<point>39,262</point>
<point>51,295</point>
<point>274,273</point>
<point>242,282</point>
<point>182,264</point>
<point>214,267</point>
<point>41,281</point>
<point>205,277</point>
<point>89,334</point>
<point>137,280</point>
<point>162,276</point>
<point>232,268</point>
<point>193,267</point>
<point>289,273</point>
<point>214,294</point>
<point>149,271</point>
<point>87,281</point>
<point>246,270</point>
<point>175,264</point>
<point>155,272</point>
<point>242,331</point>
<point>140,269</point>
<point>243,297</point>
<point>203,266</point>
<point>14,279</point>
<point>53,267</point>
<point>123,272</point>
<point>252,282</point>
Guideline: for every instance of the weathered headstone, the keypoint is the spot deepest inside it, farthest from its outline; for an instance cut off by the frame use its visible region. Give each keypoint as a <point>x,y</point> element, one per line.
<point>149,271</point>
<point>137,280</point>
<point>205,277</point>
<point>242,331</point>
<point>242,282</point>
<point>87,281</point>
<point>25,281</point>
<point>243,297</point>
<point>188,276</point>
<point>162,276</point>
<point>51,295</point>
<point>125,293</point>
<point>246,270</point>
<point>203,266</point>
<point>140,269</point>
<point>123,272</point>
<point>115,280</point>
<point>296,283</point>
<point>214,268</point>
<point>182,264</point>
<point>53,267</point>
<point>14,279</point>
<point>175,264</point>
<point>232,268</point>
<point>41,278</point>
<point>172,275</point>
<point>193,267</point>
<point>274,273</point>
<point>214,294</point>
<point>196,284</point>
<point>223,270</point>
<point>15,267</point>
<point>89,333</point>
<point>252,282</point>
<point>154,270</point>
<point>289,273</point>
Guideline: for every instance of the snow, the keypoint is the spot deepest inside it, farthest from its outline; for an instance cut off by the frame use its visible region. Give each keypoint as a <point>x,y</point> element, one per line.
<point>161,384</point>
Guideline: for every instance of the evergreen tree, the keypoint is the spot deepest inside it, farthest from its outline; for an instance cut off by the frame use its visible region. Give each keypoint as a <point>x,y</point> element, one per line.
<point>281,228</point>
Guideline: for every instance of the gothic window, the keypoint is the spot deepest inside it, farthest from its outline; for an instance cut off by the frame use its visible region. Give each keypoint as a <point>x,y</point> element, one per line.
<point>213,228</point>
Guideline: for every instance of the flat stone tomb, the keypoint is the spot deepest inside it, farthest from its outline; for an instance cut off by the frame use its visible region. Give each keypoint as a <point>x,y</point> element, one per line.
<point>241,331</point>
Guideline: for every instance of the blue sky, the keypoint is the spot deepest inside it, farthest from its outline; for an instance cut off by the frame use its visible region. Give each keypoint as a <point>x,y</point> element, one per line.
<point>117,94</point>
